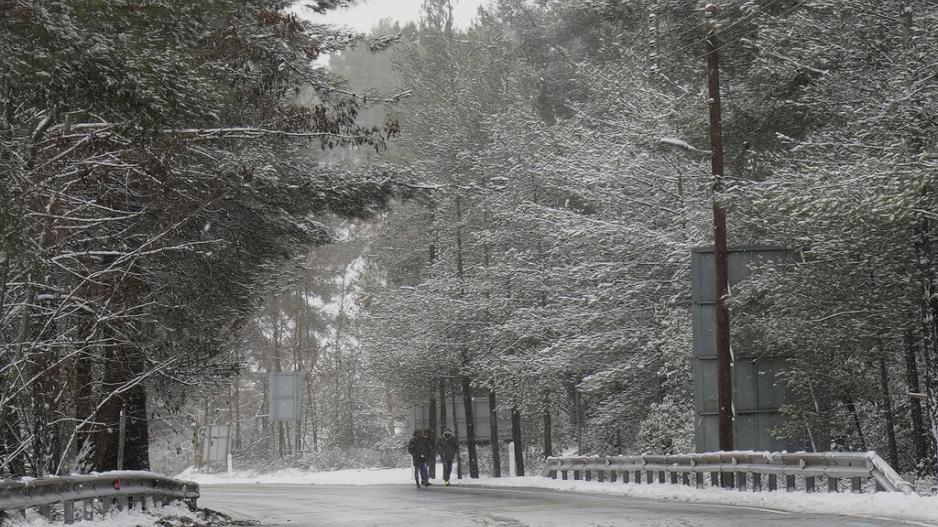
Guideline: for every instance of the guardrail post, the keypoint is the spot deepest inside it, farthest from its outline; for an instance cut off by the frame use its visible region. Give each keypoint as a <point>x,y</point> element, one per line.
<point>563,475</point>
<point>699,480</point>
<point>809,484</point>
<point>673,477</point>
<point>638,476</point>
<point>576,475</point>
<point>773,483</point>
<point>741,481</point>
<point>856,485</point>
<point>660,476</point>
<point>649,476</point>
<point>790,483</point>
<point>68,512</point>
<point>612,476</point>
<point>123,502</point>
<point>588,475</point>
<point>106,504</point>
<point>756,482</point>
<point>714,479</point>
<point>833,484</point>
<point>600,475</point>
<point>729,479</point>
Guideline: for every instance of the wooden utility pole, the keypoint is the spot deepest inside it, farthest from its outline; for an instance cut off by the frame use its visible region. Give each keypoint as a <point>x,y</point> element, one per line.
<point>724,359</point>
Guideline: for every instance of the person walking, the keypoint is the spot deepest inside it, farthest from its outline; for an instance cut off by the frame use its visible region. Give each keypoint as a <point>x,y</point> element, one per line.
<point>447,446</point>
<point>419,448</point>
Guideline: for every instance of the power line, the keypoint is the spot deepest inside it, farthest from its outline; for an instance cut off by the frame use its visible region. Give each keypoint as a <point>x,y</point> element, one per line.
<point>744,19</point>
<point>750,17</point>
<point>748,33</point>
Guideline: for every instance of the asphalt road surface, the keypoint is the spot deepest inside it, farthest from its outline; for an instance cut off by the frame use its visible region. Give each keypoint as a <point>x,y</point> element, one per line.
<point>404,505</point>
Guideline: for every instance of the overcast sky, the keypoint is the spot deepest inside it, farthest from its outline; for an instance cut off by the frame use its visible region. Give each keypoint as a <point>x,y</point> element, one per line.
<point>365,14</point>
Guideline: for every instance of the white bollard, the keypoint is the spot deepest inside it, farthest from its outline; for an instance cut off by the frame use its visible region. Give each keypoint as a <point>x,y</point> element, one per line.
<point>229,464</point>
<point>512,467</point>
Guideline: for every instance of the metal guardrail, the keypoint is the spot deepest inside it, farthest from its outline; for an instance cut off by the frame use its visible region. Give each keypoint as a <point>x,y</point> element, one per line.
<point>57,497</point>
<point>739,469</point>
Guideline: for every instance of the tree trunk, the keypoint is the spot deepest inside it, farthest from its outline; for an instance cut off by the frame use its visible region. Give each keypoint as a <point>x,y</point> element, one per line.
<point>237,411</point>
<point>493,419</point>
<point>517,440</point>
<point>852,410</point>
<point>919,439</point>
<point>456,433</point>
<point>890,418</point>
<point>433,435</point>
<point>312,415</point>
<point>443,424</point>
<point>470,428</point>
<point>548,446</point>
<point>84,401</point>
<point>119,372</point>
<point>930,326</point>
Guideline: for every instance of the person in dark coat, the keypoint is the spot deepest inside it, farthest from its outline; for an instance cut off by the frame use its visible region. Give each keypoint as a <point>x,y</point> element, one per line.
<point>447,447</point>
<point>420,449</point>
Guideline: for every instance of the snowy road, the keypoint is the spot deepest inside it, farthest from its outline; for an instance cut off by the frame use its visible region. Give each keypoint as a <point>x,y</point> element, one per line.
<point>400,505</point>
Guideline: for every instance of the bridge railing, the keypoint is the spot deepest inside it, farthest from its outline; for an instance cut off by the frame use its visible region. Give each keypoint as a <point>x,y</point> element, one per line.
<point>79,497</point>
<point>739,469</point>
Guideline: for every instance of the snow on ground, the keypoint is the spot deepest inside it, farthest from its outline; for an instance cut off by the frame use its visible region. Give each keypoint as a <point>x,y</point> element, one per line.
<point>295,476</point>
<point>880,505</point>
<point>168,516</point>
<point>884,505</point>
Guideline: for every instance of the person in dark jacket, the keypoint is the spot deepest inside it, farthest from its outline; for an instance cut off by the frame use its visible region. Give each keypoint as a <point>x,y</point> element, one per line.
<point>447,447</point>
<point>420,449</point>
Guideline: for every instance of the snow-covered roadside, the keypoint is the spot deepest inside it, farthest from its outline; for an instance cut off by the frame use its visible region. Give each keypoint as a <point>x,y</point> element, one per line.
<point>295,476</point>
<point>879,505</point>
<point>885,505</point>
<point>169,516</point>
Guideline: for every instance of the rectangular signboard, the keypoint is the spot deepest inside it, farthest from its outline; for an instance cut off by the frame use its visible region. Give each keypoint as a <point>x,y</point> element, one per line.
<point>215,444</point>
<point>285,396</point>
<point>757,392</point>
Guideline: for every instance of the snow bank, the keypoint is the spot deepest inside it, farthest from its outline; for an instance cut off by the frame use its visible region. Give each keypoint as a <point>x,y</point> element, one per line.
<point>166,516</point>
<point>295,476</point>
<point>882,505</point>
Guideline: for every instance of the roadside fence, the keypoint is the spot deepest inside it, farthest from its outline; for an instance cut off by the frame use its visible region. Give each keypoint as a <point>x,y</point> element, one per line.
<point>81,497</point>
<point>743,470</point>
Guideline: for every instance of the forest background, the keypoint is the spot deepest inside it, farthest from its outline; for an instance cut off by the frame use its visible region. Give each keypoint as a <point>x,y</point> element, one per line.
<point>164,228</point>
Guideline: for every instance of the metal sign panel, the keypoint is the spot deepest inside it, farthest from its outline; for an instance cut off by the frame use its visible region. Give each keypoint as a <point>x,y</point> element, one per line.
<point>757,394</point>
<point>285,397</point>
<point>215,444</point>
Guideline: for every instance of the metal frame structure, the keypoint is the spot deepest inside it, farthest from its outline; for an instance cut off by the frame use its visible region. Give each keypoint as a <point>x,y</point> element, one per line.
<point>123,490</point>
<point>790,469</point>
<point>757,392</point>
